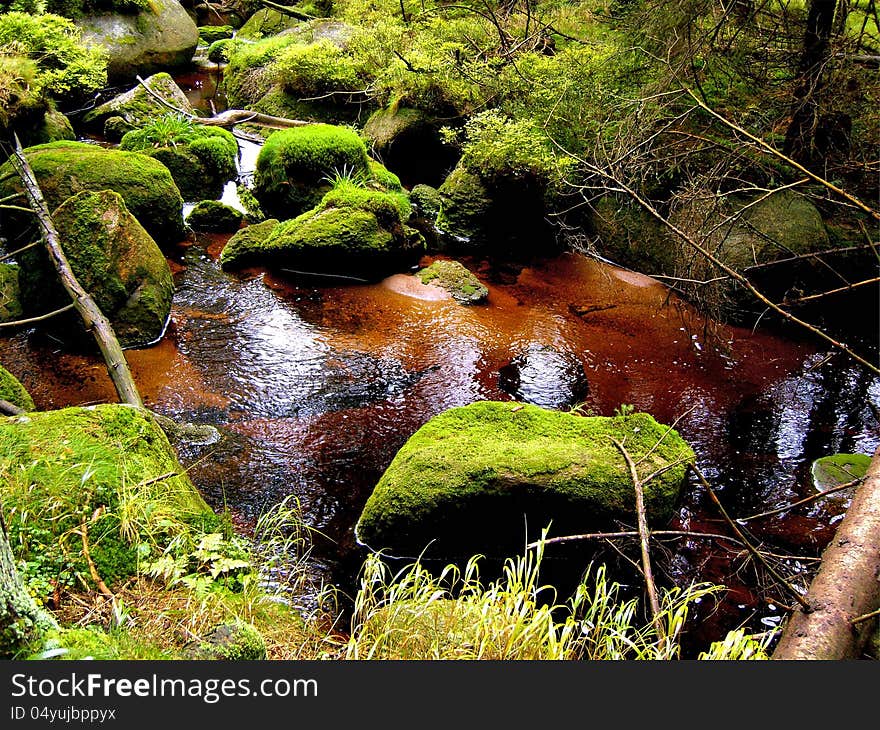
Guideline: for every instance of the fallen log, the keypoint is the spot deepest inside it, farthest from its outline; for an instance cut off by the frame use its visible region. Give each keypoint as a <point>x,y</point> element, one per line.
<point>845,589</point>
<point>91,315</point>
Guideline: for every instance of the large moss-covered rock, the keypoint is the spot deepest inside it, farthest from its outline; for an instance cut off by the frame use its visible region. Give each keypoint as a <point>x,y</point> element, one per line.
<point>473,477</point>
<point>137,106</point>
<point>10,295</point>
<point>295,167</point>
<point>200,159</point>
<point>247,244</point>
<point>239,641</point>
<point>162,36</point>
<point>66,168</point>
<point>12,391</point>
<point>208,34</point>
<point>353,231</point>
<point>54,127</point>
<point>110,466</point>
<point>113,258</point>
<point>265,23</point>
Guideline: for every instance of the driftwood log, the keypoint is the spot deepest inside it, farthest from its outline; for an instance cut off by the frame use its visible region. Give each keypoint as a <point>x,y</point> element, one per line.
<point>91,315</point>
<point>846,588</point>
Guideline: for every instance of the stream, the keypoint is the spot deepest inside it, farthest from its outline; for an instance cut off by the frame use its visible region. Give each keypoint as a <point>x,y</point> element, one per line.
<point>316,383</point>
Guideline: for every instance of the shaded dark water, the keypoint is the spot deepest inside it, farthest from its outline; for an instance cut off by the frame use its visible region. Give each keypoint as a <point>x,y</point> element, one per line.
<point>317,384</point>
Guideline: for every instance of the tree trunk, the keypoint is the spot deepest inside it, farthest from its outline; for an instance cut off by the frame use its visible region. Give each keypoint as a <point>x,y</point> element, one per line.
<point>846,587</point>
<point>799,137</point>
<point>92,317</point>
<point>22,622</point>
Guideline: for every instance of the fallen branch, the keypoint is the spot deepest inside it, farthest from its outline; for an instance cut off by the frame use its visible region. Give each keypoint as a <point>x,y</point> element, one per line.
<point>632,533</point>
<point>805,500</point>
<point>846,586</point>
<point>40,318</point>
<point>288,10</point>
<point>10,409</point>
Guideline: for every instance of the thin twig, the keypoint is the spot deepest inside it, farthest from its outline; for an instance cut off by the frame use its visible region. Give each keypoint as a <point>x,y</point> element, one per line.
<point>31,320</point>
<point>632,533</point>
<point>805,500</point>
<point>751,548</point>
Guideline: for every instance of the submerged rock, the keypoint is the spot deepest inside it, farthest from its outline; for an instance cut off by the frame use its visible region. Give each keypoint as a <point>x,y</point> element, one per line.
<point>456,279</point>
<point>473,477</point>
<point>113,258</point>
<point>12,391</point>
<point>296,166</point>
<point>66,168</point>
<point>137,107</point>
<point>546,377</point>
<point>161,36</point>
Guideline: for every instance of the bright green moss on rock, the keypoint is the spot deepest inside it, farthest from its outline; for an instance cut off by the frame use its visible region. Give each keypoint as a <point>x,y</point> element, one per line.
<point>54,127</point>
<point>456,279</point>
<point>67,168</point>
<point>426,201</point>
<point>110,466</point>
<point>353,230</point>
<point>219,51</point>
<point>113,258</point>
<point>265,23</point>
<point>247,244</point>
<point>14,392</point>
<point>208,34</point>
<point>214,217</point>
<point>467,477</point>
<point>10,294</point>
<point>295,166</point>
<point>239,641</point>
<point>201,159</point>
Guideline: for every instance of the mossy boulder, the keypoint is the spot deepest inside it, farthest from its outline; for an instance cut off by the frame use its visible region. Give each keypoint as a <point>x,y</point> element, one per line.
<point>426,202</point>
<point>208,34</point>
<point>10,294</point>
<point>200,159</point>
<point>502,215</point>
<point>456,279</point>
<point>137,107</point>
<point>161,36</point>
<point>66,168</point>
<point>295,167</point>
<point>472,477</point>
<point>247,244</point>
<point>219,51</point>
<point>352,231</point>
<point>409,142</point>
<point>265,23</point>
<point>113,258</point>
<point>54,127</point>
<point>12,391</point>
<point>212,216</point>
<point>109,466</point>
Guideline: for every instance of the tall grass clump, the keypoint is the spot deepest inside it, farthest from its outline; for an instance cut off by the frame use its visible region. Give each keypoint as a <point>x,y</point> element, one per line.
<point>414,614</point>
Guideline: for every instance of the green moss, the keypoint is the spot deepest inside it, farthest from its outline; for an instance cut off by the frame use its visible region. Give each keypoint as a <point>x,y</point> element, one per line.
<point>318,68</point>
<point>384,177</point>
<point>238,641</point>
<point>110,466</point>
<point>266,23</point>
<point>392,208</point>
<point>201,159</point>
<point>219,51</point>
<point>14,392</point>
<point>214,216</point>
<point>137,106</point>
<point>426,201</point>
<point>465,203</point>
<point>66,168</point>
<point>54,127</point>
<point>247,245</point>
<point>208,34</point>
<point>386,125</point>
<point>10,294</point>
<point>456,279</point>
<point>113,258</point>
<point>467,477</point>
<point>295,166</point>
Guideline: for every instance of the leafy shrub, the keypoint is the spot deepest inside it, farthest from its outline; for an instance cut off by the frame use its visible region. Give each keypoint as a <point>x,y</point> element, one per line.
<point>64,66</point>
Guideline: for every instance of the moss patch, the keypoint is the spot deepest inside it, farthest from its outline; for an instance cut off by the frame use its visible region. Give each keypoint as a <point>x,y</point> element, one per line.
<point>67,168</point>
<point>215,217</point>
<point>13,391</point>
<point>10,295</point>
<point>469,475</point>
<point>208,34</point>
<point>246,246</point>
<point>456,279</point>
<point>137,106</point>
